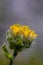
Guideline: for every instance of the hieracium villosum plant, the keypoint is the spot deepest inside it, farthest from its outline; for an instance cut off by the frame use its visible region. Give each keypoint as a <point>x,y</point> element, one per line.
<point>18,37</point>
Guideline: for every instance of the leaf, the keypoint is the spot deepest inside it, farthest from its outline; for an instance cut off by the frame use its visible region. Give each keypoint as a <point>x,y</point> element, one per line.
<point>7,54</point>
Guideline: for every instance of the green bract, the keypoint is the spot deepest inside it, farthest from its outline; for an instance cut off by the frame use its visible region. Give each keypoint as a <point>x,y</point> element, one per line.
<point>18,41</point>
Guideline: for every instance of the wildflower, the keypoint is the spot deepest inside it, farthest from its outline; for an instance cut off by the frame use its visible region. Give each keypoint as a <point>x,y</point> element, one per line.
<point>23,30</point>
<point>18,37</point>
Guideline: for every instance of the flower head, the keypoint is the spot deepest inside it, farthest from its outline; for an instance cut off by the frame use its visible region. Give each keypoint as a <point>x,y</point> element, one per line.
<point>20,36</point>
<point>24,30</point>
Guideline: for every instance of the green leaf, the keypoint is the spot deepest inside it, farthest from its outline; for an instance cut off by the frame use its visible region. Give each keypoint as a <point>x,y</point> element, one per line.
<point>7,54</point>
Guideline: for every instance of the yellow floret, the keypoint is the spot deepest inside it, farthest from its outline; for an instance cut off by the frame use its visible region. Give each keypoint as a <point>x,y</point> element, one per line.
<point>33,34</point>
<point>24,30</point>
<point>27,33</point>
<point>15,28</point>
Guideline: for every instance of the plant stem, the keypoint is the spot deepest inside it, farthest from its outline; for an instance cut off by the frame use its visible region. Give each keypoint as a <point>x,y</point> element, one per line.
<point>14,55</point>
<point>11,62</point>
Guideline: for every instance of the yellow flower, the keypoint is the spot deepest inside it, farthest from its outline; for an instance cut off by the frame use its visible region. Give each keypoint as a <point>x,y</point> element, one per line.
<point>33,34</point>
<point>24,30</point>
<point>15,28</point>
<point>27,33</point>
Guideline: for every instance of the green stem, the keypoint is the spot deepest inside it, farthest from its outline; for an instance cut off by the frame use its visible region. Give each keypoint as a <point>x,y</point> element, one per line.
<point>11,62</point>
<point>14,55</point>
